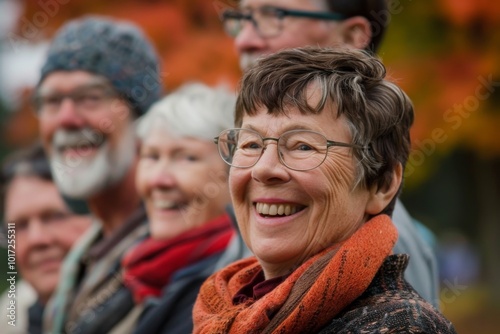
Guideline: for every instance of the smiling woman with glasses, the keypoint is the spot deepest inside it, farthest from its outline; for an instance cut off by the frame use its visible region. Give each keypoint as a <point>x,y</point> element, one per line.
<point>317,162</point>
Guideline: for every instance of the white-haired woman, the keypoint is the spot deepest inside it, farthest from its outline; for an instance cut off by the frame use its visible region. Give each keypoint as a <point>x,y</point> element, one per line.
<point>183,184</point>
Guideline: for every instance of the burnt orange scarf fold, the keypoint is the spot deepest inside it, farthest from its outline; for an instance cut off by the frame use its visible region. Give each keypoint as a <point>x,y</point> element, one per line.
<point>308,299</point>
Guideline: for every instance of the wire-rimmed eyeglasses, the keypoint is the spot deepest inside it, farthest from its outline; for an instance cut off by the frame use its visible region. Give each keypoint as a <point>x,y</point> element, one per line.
<point>299,150</point>
<point>268,20</point>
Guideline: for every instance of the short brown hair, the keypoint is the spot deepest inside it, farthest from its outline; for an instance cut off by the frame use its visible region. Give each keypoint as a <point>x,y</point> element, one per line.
<point>379,113</point>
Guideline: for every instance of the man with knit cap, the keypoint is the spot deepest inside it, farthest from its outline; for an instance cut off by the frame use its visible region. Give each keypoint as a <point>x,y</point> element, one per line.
<point>99,76</point>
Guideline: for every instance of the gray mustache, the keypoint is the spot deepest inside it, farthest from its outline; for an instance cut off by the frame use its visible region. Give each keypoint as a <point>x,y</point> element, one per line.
<point>78,138</point>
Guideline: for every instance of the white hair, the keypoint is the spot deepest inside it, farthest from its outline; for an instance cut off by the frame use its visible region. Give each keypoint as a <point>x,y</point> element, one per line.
<point>193,110</point>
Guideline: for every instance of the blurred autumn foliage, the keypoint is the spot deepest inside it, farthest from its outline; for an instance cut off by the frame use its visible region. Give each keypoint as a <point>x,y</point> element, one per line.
<point>444,53</point>
<point>187,34</point>
<point>441,52</point>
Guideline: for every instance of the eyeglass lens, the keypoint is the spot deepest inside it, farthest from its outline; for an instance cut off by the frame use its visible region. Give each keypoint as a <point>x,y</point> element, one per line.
<point>267,21</point>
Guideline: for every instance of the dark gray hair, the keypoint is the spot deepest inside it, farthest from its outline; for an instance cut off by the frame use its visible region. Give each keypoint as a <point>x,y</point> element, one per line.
<point>379,113</point>
<point>375,11</point>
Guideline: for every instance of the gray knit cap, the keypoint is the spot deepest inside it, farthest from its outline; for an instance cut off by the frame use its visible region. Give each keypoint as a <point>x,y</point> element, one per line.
<point>117,50</point>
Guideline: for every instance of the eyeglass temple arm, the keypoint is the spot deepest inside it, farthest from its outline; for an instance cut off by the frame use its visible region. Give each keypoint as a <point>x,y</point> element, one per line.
<point>316,15</point>
<point>287,12</point>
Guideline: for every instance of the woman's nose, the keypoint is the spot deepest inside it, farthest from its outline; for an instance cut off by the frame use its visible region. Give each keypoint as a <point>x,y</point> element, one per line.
<point>269,168</point>
<point>162,176</point>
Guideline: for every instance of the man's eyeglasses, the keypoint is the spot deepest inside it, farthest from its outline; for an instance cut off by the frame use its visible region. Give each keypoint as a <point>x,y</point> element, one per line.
<point>268,21</point>
<point>86,99</point>
<point>299,150</point>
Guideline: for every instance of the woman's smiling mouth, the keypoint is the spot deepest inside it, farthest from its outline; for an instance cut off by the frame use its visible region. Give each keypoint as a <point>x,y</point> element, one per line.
<point>277,209</point>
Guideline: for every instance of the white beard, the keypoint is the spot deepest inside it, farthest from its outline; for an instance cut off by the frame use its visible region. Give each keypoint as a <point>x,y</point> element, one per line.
<point>78,176</point>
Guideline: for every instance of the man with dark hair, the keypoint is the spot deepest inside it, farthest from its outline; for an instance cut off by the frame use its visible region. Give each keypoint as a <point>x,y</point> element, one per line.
<point>100,75</point>
<point>278,24</point>
<point>263,27</point>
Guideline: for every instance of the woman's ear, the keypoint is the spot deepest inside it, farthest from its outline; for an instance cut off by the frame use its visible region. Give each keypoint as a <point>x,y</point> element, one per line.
<point>356,32</point>
<point>381,197</point>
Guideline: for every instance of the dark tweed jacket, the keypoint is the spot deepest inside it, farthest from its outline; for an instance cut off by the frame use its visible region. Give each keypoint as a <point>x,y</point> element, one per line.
<point>390,305</point>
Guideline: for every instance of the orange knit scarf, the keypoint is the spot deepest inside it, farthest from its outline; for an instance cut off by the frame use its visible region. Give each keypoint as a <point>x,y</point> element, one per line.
<point>308,299</point>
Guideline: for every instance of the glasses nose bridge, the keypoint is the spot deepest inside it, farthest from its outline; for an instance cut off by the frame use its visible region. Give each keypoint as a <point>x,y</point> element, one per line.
<point>264,147</point>
<point>64,100</point>
<point>258,20</point>
<point>249,17</point>
<point>277,140</point>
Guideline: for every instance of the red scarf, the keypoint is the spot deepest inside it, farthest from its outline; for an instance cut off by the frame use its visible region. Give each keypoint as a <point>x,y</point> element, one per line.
<point>308,299</point>
<point>149,266</point>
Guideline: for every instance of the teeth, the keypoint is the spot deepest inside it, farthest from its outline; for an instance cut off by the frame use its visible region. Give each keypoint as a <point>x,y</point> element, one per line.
<point>276,209</point>
<point>163,204</point>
